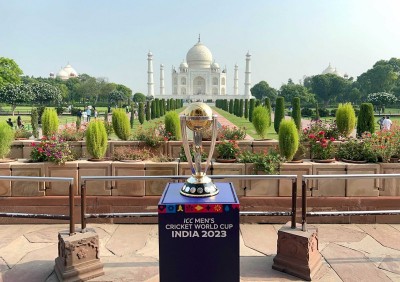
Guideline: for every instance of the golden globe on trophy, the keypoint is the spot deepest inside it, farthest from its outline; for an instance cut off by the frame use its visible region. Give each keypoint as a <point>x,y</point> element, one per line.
<point>198,117</point>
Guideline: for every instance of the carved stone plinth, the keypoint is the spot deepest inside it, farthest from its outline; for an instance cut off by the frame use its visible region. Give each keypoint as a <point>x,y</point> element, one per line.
<point>298,252</point>
<point>78,256</point>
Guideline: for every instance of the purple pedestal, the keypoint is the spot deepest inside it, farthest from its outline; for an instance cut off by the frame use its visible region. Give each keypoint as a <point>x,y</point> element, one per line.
<point>199,237</point>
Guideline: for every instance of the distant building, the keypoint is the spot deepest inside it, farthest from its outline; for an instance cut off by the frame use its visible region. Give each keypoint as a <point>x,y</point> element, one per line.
<point>65,73</point>
<point>332,70</point>
<point>199,77</point>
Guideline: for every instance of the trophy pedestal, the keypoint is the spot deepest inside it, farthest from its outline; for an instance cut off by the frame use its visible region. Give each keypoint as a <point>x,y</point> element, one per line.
<point>199,237</point>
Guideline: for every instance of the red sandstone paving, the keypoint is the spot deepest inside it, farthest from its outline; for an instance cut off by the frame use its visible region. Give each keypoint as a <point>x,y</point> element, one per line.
<point>339,233</point>
<point>391,263</point>
<point>260,237</point>
<point>127,239</point>
<point>385,234</point>
<point>352,265</point>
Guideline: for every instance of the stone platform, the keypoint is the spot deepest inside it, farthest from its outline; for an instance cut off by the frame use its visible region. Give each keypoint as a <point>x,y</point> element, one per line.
<point>129,252</point>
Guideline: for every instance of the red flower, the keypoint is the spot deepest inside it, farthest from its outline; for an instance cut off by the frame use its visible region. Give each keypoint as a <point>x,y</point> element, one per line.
<point>321,133</point>
<point>332,139</point>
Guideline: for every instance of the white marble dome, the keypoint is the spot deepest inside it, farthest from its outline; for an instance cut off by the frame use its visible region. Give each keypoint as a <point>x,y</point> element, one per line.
<point>329,69</point>
<point>184,65</point>
<point>215,65</point>
<point>199,56</point>
<point>67,72</point>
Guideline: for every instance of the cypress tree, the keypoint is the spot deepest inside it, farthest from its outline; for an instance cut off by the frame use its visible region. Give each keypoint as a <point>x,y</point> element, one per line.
<point>241,105</point>
<point>288,139</point>
<point>132,117</point>
<point>148,110</point>
<point>317,117</point>
<point>231,108</point>
<point>252,104</point>
<point>156,108</point>
<point>279,112</point>
<point>141,112</point>
<point>153,109</point>
<point>345,119</point>
<point>366,119</point>
<point>296,113</point>
<point>168,106</point>
<point>246,108</point>
<point>236,107</point>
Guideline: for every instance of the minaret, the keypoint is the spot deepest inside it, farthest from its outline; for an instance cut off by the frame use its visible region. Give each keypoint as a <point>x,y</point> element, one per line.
<point>236,81</point>
<point>150,80</point>
<point>247,81</point>
<point>162,88</point>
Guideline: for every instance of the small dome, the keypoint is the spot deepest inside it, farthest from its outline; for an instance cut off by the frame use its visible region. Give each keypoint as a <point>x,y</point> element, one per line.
<point>215,65</point>
<point>184,65</point>
<point>337,73</point>
<point>199,56</point>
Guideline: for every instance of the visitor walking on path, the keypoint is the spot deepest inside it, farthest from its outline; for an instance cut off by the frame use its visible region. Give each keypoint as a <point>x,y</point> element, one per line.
<point>387,123</point>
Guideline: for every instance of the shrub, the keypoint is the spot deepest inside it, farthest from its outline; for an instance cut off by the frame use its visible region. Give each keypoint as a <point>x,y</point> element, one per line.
<point>355,150</point>
<point>267,162</point>
<point>35,122</point>
<point>230,106</point>
<point>173,125</point>
<point>306,112</point>
<point>132,117</point>
<point>183,158</point>
<point>366,119</point>
<point>49,122</point>
<point>345,119</point>
<point>279,113</point>
<point>120,123</point>
<point>288,139</point>
<point>96,139</point>
<point>130,153</point>
<point>141,113</point>
<point>260,121</point>
<point>22,133</point>
<point>72,133</point>
<point>227,149</point>
<point>246,108</point>
<point>296,114</point>
<point>323,112</point>
<point>151,136</point>
<point>148,110</point>
<point>317,116</point>
<point>241,106</point>
<point>6,137</point>
<point>231,133</point>
<point>60,110</point>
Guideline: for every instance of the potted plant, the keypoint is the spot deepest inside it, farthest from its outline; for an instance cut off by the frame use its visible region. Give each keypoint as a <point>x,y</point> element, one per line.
<point>130,154</point>
<point>322,148</point>
<point>51,149</point>
<point>356,151</point>
<point>22,134</point>
<point>227,150</point>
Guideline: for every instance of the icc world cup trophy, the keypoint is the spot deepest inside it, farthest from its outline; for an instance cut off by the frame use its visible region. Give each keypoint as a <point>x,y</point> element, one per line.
<point>198,117</point>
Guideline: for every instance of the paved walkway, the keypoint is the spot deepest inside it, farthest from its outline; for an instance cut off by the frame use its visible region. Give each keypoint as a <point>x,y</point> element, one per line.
<point>129,252</point>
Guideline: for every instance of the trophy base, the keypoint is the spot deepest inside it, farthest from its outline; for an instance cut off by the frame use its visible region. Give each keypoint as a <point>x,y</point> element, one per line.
<point>195,188</point>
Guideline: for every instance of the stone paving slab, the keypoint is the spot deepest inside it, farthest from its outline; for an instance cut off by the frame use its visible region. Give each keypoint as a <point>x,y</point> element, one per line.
<point>391,263</point>
<point>385,234</point>
<point>260,237</point>
<point>352,265</point>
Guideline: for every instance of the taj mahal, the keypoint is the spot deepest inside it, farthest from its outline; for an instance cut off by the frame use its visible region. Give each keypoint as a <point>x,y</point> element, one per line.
<point>199,77</point>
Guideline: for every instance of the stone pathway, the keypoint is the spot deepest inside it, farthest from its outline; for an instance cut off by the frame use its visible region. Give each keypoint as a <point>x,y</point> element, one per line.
<point>129,252</point>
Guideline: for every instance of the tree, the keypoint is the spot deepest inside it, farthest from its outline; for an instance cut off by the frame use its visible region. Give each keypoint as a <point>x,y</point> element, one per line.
<point>261,121</point>
<point>291,90</point>
<point>296,112</point>
<point>141,114</point>
<point>45,93</point>
<point>139,97</point>
<point>279,112</point>
<point>231,108</point>
<point>251,109</point>
<point>366,119</point>
<point>381,99</point>
<point>126,91</point>
<point>267,105</point>
<point>114,97</point>
<point>246,108</point>
<point>16,94</point>
<point>381,78</point>
<point>148,110</point>
<point>262,90</point>
<point>9,72</point>
<point>345,119</point>
<point>288,139</point>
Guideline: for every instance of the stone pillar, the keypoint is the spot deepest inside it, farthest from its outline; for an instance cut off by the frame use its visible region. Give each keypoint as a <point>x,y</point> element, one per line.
<point>162,87</point>
<point>150,80</point>
<point>78,256</point>
<point>236,81</point>
<point>297,252</point>
<point>247,82</point>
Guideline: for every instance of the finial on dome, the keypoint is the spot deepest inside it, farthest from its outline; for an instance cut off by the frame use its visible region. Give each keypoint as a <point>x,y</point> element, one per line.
<point>199,38</point>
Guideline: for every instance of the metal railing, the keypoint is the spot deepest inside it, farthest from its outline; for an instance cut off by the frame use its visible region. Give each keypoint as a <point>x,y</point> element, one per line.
<point>305,213</point>
<point>175,178</point>
<point>69,217</point>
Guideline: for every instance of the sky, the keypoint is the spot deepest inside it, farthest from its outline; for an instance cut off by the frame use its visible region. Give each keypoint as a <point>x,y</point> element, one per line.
<point>286,38</point>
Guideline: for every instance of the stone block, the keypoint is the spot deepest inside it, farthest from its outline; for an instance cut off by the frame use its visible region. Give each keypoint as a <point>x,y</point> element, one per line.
<point>128,188</point>
<point>260,187</point>
<point>299,169</point>
<point>297,252</point>
<point>5,185</point>
<point>390,186</point>
<point>156,187</point>
<point>88,168</point>
<point>25,188</point>
<point>362,187</point>
<point>17,150</point>
<point>69,169</point>
<point>85,153</point>
<point>265,145</point>
<point>78,256</point>
<point>230,169</point>
<point>27,148</point>
<point>76,148</point>
<point>174,148</point>
<point>329,187</point>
